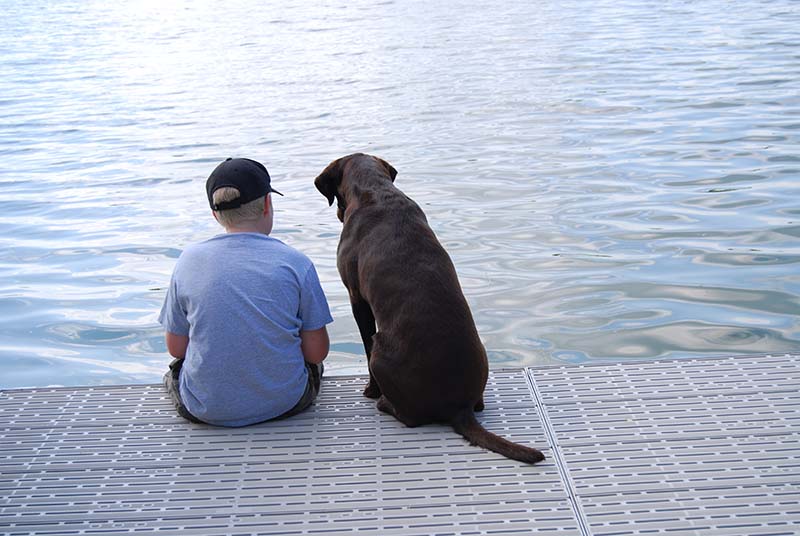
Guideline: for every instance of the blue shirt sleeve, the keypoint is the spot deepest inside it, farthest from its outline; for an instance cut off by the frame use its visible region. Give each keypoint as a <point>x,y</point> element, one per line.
<point>173,316</point>
<point>314,311</point>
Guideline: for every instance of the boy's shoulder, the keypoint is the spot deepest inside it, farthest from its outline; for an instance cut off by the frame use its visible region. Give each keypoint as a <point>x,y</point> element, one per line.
<point>244,244</point>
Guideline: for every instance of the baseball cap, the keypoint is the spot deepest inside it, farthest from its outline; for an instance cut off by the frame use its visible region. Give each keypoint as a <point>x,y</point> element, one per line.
<point>248,176</point>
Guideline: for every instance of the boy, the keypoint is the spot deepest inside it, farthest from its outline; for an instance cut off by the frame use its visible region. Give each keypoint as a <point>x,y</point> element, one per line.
<point>244,314</point>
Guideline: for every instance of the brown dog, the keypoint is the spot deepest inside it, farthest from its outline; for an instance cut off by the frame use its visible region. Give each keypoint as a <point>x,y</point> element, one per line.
<point>426,362</point>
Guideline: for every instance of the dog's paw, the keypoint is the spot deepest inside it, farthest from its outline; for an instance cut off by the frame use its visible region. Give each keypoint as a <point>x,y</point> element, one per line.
<point>385,406</point>
<point>372,390</point>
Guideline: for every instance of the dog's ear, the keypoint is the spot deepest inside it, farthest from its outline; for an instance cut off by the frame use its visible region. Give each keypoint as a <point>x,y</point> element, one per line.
<point>389,168</point>
<point>328,181</point>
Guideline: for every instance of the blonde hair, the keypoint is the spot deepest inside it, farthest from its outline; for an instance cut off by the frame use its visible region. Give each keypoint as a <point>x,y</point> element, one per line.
<point>248,212</point>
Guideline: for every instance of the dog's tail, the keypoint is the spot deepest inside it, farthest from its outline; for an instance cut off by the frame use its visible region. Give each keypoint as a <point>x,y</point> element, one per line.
<point>465,424</point>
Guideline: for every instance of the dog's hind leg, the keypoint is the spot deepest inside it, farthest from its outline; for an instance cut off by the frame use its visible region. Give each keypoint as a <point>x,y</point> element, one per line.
<point>394,386</point>
<point>365,320</point>
<point>385,406</point>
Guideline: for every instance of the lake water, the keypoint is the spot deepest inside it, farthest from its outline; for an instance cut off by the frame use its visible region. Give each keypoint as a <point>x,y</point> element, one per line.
<point>613,180</point>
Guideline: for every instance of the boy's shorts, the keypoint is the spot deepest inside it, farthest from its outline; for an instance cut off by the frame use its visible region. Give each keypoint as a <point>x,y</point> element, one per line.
<point>171,382</point>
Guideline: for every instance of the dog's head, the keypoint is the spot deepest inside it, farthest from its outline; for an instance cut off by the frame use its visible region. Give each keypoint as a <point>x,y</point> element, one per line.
<point>333,181</point>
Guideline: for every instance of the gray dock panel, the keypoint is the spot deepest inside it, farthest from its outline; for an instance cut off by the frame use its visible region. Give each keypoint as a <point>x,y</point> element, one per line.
<point>680,447</point>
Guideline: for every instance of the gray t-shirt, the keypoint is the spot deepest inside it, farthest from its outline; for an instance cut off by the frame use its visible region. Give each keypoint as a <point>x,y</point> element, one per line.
<point>242,299</point>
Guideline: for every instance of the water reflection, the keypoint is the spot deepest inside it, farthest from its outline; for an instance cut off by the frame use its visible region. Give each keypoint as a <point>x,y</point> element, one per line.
<point>613,181</point>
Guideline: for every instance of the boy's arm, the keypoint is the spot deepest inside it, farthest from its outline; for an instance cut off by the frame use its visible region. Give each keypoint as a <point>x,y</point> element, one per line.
<point>314,344</point>
<point>177,344</point>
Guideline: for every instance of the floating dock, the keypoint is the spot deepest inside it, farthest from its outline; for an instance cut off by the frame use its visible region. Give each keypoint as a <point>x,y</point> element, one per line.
<point>683,447</point>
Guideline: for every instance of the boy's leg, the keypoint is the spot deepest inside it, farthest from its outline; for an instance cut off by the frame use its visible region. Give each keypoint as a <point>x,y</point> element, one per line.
<point>171,382</point>
<point>315,376</point>
<point>310,394</point>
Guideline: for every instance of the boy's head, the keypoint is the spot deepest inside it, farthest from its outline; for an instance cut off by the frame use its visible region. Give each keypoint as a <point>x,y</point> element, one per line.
<point>236,190</point>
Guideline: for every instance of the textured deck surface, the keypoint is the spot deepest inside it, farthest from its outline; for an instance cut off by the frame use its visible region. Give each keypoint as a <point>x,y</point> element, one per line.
<point>680,447</point>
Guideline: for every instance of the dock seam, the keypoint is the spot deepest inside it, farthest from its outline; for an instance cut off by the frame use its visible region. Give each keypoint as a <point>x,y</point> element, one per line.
<point>558,457</point>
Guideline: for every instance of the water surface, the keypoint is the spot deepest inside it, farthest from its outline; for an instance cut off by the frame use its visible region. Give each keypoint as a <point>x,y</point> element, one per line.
<point>614,180</point>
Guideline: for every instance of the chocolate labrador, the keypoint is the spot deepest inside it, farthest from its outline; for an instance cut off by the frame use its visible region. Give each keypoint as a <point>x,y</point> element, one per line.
<point>426,362</point>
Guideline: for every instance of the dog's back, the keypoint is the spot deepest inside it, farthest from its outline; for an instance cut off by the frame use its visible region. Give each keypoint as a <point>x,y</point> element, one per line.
<point>424,321</point>
<point>404,272</point>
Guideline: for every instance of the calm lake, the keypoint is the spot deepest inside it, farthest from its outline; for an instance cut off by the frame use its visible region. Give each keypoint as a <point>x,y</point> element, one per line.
<point>613,180</point>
